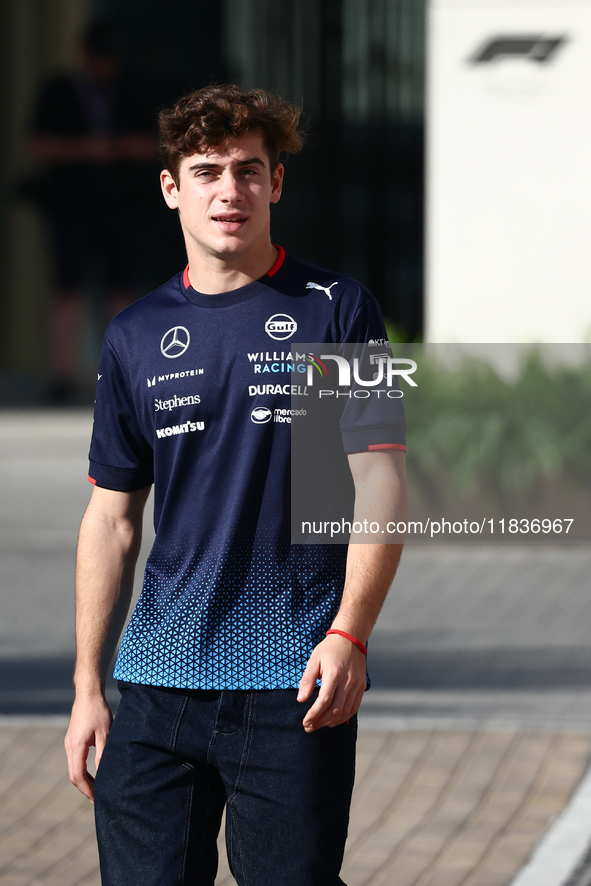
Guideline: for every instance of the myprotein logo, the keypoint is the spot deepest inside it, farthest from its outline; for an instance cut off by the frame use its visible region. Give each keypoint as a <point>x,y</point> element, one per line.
<point>260,415</point>
<point>175,342</point>
<point>167,405</point>
<point>280,327</point>
<point>188,373</point>
<point>187,427</point>
<point>531,47</point>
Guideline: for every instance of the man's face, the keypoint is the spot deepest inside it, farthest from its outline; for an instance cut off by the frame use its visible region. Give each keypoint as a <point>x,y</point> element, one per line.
<point>224,197</point>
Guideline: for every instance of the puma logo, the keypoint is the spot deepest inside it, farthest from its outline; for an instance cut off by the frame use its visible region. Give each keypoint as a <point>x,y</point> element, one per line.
<point>323,288</point>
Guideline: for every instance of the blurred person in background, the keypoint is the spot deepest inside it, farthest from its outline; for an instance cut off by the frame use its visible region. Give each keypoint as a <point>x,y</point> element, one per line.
<point>93,132</point>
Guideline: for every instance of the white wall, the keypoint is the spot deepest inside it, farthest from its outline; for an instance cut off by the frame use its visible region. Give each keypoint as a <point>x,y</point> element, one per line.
<point>508,175</point>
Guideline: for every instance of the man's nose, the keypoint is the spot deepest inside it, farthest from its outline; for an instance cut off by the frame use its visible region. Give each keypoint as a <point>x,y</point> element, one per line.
<point>229,187</point>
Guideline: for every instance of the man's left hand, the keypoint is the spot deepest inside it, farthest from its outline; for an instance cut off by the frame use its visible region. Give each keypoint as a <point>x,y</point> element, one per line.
<point>340,665</point>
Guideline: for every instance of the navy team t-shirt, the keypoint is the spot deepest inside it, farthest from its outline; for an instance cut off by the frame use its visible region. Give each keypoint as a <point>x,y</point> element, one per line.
<point>184,381</point>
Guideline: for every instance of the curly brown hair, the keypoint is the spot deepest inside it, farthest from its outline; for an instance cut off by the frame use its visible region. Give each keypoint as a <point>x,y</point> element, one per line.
<point>213,116</point>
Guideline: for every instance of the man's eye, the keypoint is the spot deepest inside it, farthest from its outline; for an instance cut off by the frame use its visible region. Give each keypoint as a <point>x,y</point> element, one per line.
<point>250,172</point>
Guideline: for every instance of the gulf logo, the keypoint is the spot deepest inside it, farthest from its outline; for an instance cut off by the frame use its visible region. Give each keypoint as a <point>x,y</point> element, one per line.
<point>280,327</point>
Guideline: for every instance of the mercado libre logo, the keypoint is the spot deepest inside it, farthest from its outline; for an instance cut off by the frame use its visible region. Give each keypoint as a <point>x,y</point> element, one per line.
<point>260,415</point>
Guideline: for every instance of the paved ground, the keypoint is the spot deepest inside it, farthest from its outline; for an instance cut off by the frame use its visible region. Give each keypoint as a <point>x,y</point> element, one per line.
<point>432,807</point>
<point>473,737</point>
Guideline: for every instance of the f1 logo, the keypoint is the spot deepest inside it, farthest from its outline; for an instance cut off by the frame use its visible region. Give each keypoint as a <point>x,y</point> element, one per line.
<point>536,48</point>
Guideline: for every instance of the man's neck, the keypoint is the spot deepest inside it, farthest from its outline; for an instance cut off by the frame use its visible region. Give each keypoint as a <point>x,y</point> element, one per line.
<point>212,275</point>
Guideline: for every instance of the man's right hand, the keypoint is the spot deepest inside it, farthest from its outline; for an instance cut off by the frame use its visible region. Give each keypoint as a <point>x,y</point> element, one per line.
<point>89,726</point>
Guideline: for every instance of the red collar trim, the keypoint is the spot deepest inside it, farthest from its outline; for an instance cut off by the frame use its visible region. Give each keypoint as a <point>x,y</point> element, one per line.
<point>278,262</point>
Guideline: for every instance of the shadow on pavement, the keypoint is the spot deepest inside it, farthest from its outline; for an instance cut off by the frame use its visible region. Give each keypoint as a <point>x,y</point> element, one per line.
<point>555,668</point>
<point>44,685</point>
<point>40,685</point>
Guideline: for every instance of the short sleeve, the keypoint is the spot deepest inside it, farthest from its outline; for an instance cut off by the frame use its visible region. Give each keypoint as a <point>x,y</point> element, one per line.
<point>120,456</point>
<point>367,324</point>
<point>373,416</point>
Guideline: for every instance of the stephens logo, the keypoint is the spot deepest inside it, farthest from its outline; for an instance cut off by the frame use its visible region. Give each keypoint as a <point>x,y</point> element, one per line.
<point>280,327</point>
<point>191,400</point>
<point>175,342</point>
<point>260,415</point>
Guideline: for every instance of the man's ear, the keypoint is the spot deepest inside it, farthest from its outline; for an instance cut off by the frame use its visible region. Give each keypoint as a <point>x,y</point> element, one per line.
<point>277,183</point>
<point>169,189</point>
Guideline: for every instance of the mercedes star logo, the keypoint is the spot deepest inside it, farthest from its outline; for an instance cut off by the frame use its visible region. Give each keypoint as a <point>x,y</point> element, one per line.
<point>175,342</point>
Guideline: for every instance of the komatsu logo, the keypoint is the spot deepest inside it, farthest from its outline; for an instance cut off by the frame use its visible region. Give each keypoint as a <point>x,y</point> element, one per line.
<point>186,428</point>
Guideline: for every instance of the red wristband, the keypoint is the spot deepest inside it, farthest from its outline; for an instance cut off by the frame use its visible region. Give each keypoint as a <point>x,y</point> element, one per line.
<point>347,636</point>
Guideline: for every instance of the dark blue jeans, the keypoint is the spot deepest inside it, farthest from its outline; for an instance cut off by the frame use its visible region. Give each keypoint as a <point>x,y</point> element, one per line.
<point>174,758</point>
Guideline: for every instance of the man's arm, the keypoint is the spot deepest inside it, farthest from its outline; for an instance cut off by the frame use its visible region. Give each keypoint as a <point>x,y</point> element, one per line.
<point>108,547</point>
<point>380,495</point>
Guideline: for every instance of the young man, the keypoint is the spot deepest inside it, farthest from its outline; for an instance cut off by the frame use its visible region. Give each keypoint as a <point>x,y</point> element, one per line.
<point>220,663</point>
